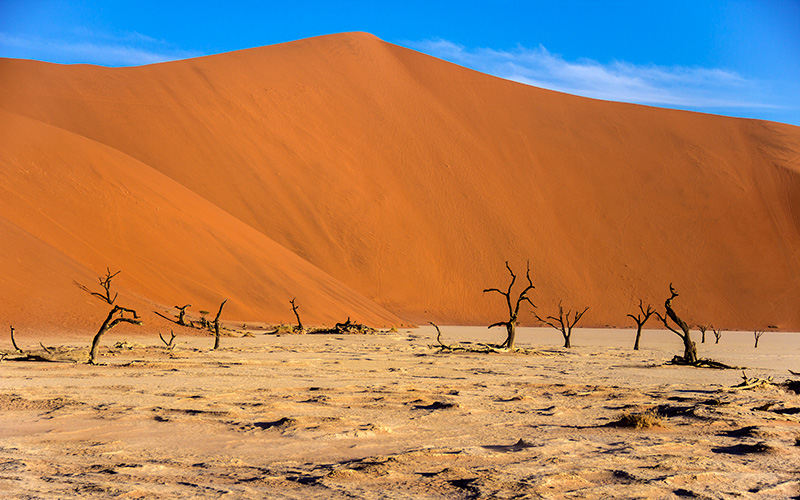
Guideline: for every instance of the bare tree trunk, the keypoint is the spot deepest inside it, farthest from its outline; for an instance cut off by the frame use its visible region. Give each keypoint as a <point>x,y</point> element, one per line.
<point>216,325</point>
<point>109,323</point>
<point>640,320</point>
<point>296,315</point>
<point>14,342</point>
<point>638,337</point>
<point>757,334</point>
<point>182,314</point>
<point>511,329</point>
<point>689,347</point>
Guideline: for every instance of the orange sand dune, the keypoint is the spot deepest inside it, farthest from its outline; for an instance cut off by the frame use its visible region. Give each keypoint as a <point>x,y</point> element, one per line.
<point>264,172</point>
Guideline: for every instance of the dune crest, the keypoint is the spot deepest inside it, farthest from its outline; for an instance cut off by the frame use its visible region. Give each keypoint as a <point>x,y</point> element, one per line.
<point>387,184</point>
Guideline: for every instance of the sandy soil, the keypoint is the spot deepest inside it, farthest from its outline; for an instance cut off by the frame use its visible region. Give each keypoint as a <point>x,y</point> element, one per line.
<point>386,416</point>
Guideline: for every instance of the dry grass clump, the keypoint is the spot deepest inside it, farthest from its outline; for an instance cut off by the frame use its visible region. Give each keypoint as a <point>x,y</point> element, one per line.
<point>641,420</point>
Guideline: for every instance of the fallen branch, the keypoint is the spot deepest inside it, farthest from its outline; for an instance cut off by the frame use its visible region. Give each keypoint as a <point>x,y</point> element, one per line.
<point>478,348</point>
<point>752,383</point>
<point>702,363</point>
<point>39,358</point>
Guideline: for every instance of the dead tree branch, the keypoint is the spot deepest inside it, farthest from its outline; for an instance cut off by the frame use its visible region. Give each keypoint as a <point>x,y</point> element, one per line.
<point>170,345</point>
<point>105,282</point>
<point>216,325</point>
<point>14,342</point>
<point>565,324</point>
<point>513,305</point>
<point>640,320</point>
<point>110,322</point>
<point>441,345</point>
<point>757,334</point>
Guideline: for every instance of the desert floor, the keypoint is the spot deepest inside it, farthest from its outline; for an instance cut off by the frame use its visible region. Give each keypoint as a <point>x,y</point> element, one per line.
<point>386,416</point>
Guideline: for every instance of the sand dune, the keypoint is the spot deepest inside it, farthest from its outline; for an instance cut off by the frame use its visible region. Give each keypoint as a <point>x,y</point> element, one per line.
<point>374,181</point>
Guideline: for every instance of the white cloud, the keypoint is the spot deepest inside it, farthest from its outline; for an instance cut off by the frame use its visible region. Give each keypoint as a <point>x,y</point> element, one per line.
<point>695,88</point>
<point>131,49</point>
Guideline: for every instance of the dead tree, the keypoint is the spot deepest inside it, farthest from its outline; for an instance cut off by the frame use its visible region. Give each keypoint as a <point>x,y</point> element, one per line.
<point>513,305</point>
<point>115,317</point>
<point>757,334</point>
<point>216,325</point>
<point>717,334</point>
<point>14,342</point>
<point>299,327</point>
<point>640,320</point>
<point>702,329</point>
<point>565,324</point>
<point>689,347</point>
<point>171,344</point>
<point>182,314</point>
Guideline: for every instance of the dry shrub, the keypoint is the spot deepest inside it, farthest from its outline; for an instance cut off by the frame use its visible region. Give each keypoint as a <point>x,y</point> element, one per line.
<point>642,420</point>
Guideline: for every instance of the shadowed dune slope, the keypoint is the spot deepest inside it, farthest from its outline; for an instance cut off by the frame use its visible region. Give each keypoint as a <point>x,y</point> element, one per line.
<point>71,207</point>
<point>364,178</point>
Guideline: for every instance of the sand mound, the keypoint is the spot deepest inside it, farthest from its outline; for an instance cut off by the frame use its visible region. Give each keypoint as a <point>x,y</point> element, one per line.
<point>374,181</point>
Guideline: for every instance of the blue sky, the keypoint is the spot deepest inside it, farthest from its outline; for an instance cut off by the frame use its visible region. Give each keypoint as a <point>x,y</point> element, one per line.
<point>739,58</point>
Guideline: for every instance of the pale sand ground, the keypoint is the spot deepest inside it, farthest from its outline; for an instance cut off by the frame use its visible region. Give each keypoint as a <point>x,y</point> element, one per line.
<point>385,416</point>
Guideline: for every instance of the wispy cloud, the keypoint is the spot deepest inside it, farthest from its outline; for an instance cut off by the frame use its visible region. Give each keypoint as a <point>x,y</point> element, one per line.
<point>693,88</point>
<point>129,49</point>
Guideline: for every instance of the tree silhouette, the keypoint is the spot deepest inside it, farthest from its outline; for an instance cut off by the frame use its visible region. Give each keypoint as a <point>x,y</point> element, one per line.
<point>513,305</point>
<point>640,320</point>
<point>565,324</point>
<point>689,347</point>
